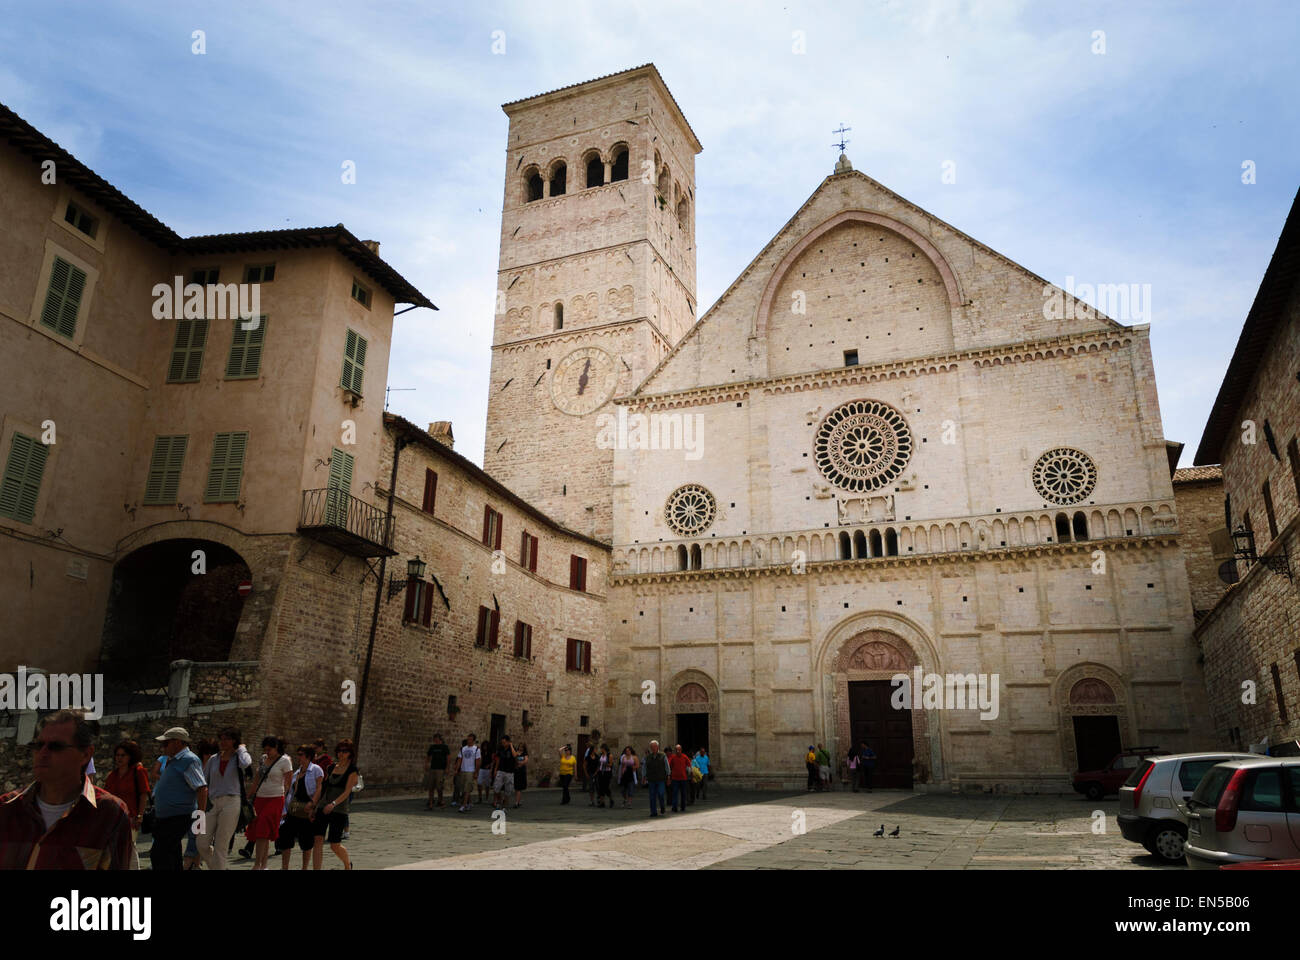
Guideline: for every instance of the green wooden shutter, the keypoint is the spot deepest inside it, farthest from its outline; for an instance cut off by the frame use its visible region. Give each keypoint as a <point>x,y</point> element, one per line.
<point>340,483</point>
<point>63,298</point>
<point>187,351</point>
<point>21,484</point>
<point>245,360</point>
<point>354,362</point>
<point>227,469</point>
<point>165,469</point>
<point>349,351</point>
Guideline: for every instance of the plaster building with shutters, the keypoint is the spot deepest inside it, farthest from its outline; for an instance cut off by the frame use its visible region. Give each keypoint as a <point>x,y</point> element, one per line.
<point>905,461</point>
<point>187,501</point>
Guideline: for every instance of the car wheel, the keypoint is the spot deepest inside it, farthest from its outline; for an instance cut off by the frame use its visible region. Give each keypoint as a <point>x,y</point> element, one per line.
<point>1167,843</point>
<point>1094,791</point>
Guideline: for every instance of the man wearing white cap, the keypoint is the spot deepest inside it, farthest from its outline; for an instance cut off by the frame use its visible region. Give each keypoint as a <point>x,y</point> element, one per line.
<point>181,790</point>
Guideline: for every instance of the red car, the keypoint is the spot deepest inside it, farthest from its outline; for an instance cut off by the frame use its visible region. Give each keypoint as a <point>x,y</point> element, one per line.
<point>1095,784</point>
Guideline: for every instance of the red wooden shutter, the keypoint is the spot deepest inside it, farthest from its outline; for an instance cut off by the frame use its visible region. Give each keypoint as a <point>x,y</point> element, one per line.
<point>408,611</point>
<point>523,547</point>
<point>532,556</point>
<point>492,635</point>
<point>568,654</point>
<point>573,572</point>
<point>528,642</point>
<point>487,523</point>
<point>481,636</point>
<point>430,490</point>
<point>428,603</point>
<point>500,524</point>
<point>586,656</point>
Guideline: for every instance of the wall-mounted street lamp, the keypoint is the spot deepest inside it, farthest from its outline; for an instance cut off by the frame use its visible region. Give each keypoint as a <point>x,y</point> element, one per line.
<point>415,568</point>
<point>1243,548</point>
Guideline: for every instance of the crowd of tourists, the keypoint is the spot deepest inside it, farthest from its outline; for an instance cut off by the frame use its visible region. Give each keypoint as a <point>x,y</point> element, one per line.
<point>196,798</point>
<point>192,801</point>
<point>500,770</point>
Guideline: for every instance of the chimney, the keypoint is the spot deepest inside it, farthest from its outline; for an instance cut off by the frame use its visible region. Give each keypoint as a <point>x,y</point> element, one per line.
<point>440,430</point>
<point>372,245</point>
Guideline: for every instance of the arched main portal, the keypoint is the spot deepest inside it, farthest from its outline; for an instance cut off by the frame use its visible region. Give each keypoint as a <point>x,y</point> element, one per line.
<point>169,600</point>
<point>857,661</point>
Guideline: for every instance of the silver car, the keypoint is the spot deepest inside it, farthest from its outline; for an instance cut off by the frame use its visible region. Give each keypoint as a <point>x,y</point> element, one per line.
<point>1245,811</point>
<point>1153,801</point>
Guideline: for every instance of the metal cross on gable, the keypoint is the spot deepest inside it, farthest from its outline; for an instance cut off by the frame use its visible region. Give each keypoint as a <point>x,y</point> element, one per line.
<point>842,142</point>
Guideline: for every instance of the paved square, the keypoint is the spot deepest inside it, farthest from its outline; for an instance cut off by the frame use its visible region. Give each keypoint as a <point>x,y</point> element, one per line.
<point>742,830</point>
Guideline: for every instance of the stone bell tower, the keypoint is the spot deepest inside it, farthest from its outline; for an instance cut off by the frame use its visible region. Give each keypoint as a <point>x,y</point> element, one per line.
<point>596,281</point>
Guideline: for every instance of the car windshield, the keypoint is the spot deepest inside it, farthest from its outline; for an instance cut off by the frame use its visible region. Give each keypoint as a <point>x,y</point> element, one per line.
<point>1211,786</point>
<point>1138,773</point>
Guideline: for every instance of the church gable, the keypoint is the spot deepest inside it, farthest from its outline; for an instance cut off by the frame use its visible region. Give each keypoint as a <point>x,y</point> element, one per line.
<point>861,274</point>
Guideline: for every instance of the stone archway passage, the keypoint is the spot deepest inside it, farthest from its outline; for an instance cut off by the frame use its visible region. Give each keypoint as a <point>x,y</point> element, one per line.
<point>160,610</point>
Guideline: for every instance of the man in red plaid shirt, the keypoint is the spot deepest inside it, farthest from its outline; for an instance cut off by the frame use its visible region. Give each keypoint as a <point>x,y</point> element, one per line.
<point>63,821</point>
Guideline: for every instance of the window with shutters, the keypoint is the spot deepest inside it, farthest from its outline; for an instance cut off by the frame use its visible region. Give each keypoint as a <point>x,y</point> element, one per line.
<point>63,298</point>
<point>165,470</point>
<point>227,468</point>
<point>354,362</point>
<point>489,624</point>
<point>1268,509</point>
<point>523,640</point>
<point>20,486</point>
<point>577,657</point>
<point>187,351</point>
<point>245,360</point>
<point>577,573</point>
<point>430,490</point>
<point>205,275</point>
<point>339,487</point>
<point>528,552</point>
<point>361,294</point>
<point>261,273</point>
<point>80,219</point>
<point>491,528</point>
<point>419,603</point>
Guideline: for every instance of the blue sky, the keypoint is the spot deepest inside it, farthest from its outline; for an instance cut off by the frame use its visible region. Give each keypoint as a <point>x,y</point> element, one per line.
<point>1118,167</point>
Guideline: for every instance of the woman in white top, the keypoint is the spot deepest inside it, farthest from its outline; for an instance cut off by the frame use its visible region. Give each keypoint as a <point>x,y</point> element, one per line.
<point>269,788</point>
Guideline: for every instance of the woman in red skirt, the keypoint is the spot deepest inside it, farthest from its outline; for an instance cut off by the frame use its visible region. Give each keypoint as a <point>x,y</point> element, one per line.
<point>268,790</point>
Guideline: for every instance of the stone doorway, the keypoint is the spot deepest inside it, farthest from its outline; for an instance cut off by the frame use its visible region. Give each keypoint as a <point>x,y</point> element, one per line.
<point>693,732</point>
<point>1096,741</point>
<point>887,731</point>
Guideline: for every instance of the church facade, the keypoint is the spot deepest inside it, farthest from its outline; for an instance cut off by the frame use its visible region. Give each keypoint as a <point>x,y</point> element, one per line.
<point>886,450</point>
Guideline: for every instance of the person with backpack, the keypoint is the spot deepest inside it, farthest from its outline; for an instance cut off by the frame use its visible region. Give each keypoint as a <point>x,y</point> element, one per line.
<point>591,767</point>
<point>656,778</point>
<point>128,781</point>
<point>226,792</point>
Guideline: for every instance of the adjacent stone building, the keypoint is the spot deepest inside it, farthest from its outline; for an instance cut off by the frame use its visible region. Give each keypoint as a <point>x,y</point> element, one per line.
<point>1251,638</point>
<point>503,632</point>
